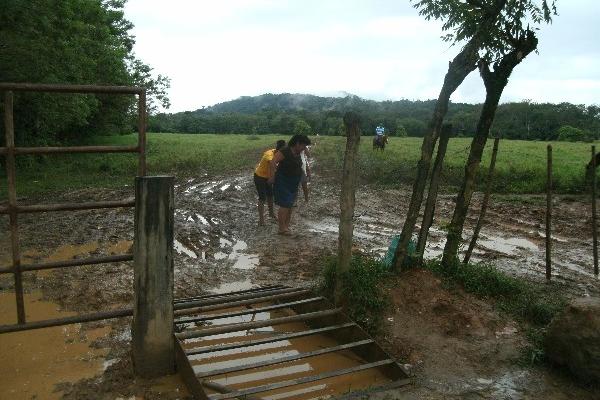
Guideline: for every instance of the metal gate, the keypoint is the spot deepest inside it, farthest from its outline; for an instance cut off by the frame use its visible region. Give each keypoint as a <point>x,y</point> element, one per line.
<point>10,151</point>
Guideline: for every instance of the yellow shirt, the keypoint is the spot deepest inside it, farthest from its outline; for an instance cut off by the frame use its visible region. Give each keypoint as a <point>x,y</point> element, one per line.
<point>262,168</point>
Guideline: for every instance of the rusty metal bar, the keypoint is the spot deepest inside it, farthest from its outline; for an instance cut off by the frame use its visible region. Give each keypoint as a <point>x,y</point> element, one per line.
<point>594,217</point>
<point>293,382</point>
<point>549,216</point>
<point>41,87</point>
<point>256,324</point>
<point>196,307</point>
<point>70,206</point>
<point>9,132</point>
<point>71,263</point>
<point>262,289</point>
<point>271,339</point>
<point>72,149</point>
<point>208,317</point>
<point>67,320</point>
<point>281,360</point>
<point>142,133</point>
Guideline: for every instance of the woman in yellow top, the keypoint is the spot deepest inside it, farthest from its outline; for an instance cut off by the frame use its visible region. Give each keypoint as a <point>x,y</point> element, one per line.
<point>263,187</point>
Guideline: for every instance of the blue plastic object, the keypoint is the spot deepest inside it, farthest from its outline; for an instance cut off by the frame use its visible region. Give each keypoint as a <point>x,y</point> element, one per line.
<point>389,256</point>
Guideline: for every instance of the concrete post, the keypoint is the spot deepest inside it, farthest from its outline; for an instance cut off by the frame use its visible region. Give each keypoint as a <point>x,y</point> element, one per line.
<point>152,330</point>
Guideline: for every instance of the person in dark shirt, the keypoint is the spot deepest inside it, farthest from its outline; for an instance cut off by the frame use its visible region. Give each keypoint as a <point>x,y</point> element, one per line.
<point>286,173</point>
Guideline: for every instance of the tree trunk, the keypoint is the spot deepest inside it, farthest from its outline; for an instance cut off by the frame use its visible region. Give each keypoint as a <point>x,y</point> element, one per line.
<point>347,201</point>
<point>495,82</point>
<point>432,194</point>
<point>459,68</point>
<point>484,203</point>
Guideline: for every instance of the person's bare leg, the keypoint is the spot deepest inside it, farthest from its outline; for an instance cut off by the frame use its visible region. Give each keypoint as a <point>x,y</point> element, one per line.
<point>261,213</point>
<point>305,190</point>
<point>271,211</point>
<point>282,214</point>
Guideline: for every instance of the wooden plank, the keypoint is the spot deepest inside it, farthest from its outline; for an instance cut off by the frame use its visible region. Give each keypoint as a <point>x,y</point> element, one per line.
<point>280,360</point>
<point>196,307</point>
<point>187,373</point>
<point>276,338</point>
<point>247,312</point>
<point>299,381</point>
<point>225,389</point>
<point>255,325</point>
<point>142,124</point>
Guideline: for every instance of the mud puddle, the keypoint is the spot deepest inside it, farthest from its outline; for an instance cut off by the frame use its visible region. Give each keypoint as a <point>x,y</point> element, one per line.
<point>258,376</point>
<point>35,361</point>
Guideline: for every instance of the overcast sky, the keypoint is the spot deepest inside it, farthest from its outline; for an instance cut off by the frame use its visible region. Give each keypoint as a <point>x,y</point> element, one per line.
<point>216,51</point>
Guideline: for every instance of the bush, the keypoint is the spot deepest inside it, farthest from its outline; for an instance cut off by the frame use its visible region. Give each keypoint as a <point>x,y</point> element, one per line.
<point>568,133</point>
<point>362,289</point>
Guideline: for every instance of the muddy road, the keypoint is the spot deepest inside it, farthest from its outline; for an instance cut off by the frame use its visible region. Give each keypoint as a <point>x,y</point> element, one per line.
<point>458,346</point>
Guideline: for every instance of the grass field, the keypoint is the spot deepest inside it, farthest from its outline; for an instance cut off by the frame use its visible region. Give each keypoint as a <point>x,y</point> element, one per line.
<point>521,165</point>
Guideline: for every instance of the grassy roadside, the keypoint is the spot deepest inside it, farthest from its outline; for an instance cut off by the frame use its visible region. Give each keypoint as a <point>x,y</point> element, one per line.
<point>520,166</point>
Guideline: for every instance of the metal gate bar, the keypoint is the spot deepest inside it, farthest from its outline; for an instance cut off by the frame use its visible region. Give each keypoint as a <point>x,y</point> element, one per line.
<point>340,336</point>
<point>13,209</point>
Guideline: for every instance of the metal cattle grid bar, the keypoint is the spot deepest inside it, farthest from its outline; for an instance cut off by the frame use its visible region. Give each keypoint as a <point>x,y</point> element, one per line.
<point>305,308</point>
<point>10,151</point>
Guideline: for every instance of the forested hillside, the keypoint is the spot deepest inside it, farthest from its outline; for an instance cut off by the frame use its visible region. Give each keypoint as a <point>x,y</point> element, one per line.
<point>302,113</point>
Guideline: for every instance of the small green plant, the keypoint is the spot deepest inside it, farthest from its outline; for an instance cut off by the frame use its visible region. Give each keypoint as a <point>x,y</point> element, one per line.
<point>362,289</point>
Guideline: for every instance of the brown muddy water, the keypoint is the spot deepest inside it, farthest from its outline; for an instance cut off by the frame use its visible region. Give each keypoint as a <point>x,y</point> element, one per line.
<point>203,363</point>
<point>33,362</point>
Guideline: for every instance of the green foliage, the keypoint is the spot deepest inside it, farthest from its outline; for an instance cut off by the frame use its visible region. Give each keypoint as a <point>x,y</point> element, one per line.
<point>302,128</point>
<point>272,114</point>
<point>362,289</point>
<point>71,42</point>
<point>520,167</point>
<point>568,133</point>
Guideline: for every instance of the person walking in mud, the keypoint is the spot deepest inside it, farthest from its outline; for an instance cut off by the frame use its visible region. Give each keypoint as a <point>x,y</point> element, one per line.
<point>286,168</point>
<point>264,189</point>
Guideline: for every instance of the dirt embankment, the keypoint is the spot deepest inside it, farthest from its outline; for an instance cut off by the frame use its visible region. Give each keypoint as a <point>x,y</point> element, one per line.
<point>458,346</point>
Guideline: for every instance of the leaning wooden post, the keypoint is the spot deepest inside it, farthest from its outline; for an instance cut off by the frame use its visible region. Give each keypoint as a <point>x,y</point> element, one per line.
<point>594,226</point>
<point>484,204</point>
<point>152,331</point>
<point>347,201</point>
<point>432,193</point>
<point>549,216</point>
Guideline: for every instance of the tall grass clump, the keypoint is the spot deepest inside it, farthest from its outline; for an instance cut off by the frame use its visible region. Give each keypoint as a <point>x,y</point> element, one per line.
<point>362,285</point>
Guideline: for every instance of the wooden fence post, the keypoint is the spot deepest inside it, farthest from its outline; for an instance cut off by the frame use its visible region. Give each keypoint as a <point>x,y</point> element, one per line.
<point>594,226</point>
<point>484,204</point>
<point>152,330</point>
<point>432,193</point>
<point>347,201</point>
<point>549,216</point>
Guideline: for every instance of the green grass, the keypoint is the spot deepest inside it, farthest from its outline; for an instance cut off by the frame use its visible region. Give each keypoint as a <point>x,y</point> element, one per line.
<point>178,154</point>
<point>521,166</point>
<point>532,305</point>
<point>362,289</point>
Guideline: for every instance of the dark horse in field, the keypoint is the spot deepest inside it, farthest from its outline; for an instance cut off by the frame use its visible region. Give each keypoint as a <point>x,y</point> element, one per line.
<point>379,142</point>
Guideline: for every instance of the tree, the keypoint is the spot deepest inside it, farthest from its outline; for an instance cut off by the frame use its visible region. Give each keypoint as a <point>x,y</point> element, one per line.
<point>301,127</point>
<point>571,134</point>
<point>495,81</point>
<point>71,42</point>
<point>482,25</point>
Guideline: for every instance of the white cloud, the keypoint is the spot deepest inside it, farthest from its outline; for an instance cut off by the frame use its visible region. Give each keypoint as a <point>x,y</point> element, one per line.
<point>215,51</point>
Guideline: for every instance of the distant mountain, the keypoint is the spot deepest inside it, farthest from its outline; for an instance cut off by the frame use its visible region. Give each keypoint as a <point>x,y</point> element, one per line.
<point>288,102</point>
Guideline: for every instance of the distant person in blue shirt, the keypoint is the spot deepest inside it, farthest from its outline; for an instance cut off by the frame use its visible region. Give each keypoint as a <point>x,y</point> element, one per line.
<point>380,138</point>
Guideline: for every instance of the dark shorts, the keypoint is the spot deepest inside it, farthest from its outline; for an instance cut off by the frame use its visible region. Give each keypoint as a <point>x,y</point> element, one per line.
<point>263,188</point>
<point>286,189</point>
